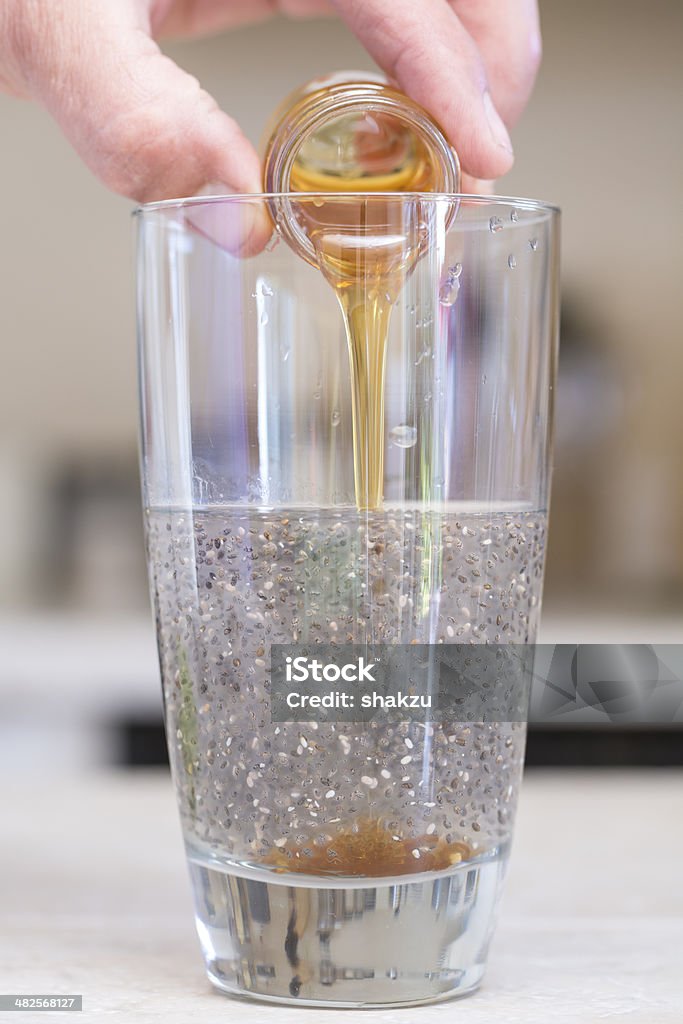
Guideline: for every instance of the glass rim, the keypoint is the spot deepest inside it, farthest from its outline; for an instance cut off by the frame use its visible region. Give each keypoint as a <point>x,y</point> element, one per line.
<point>537,206</point>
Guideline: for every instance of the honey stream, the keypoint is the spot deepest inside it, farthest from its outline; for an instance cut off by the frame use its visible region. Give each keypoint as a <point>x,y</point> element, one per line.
<point>366,249</point>
<point>367,271</point>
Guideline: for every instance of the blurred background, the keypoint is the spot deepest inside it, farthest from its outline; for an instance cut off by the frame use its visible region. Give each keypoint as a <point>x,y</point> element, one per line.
<point>601,138</point>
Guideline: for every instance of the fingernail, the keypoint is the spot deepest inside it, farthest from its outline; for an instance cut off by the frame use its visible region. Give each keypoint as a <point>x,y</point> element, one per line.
<point>498,129</point>
<point>478,186</point>
<point>242,229</point>
<point>213,188</point>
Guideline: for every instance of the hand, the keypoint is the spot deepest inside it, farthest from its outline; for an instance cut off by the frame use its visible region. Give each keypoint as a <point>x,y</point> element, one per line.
<point>149,131</point>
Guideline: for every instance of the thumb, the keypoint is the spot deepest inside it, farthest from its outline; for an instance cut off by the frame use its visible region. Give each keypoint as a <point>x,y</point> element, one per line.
<point>145,127</point>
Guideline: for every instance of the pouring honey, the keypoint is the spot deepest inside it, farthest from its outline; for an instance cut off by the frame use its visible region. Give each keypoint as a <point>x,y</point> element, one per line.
<point>356,135</point>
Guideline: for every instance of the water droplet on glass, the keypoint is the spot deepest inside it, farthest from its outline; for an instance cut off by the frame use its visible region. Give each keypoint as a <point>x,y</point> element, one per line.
<point>533,244</point>
<point>484,379</point>
<point>450,286</point>
<point>514,216</point>
<point>495,224</point>
<point>265,288</point>
<point>512,262</point>
<point>336,417</point>
<point>422,356</point>
<point>318,202</point>
<point>403,436</point>
<point>448,292</point>
<point>264,319</point>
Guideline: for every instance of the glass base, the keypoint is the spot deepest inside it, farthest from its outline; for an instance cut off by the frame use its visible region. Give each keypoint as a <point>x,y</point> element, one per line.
<point>389,943</point>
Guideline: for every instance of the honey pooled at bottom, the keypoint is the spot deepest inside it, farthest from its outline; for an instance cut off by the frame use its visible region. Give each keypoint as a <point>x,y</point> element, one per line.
<point>369,849</point>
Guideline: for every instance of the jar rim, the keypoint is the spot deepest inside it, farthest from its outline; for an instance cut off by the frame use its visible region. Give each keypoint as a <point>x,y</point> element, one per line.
<point>303,118</point>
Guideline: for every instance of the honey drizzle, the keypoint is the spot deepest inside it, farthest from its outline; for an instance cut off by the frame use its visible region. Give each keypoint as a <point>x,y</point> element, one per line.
<point>366,253</point>
<point>367,270</point>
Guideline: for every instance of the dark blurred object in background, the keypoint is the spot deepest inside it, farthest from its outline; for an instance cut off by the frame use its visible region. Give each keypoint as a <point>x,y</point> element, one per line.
<point>95,537</point>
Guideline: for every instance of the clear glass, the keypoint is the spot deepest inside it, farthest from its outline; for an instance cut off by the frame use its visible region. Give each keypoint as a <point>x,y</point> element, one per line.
<point>343,864</point>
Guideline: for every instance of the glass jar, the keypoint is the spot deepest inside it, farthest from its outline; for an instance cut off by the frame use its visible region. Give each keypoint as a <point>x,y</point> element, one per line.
<point>352,132</point>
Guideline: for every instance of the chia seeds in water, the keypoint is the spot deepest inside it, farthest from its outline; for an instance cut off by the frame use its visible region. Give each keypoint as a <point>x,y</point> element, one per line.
<point>336,798</point>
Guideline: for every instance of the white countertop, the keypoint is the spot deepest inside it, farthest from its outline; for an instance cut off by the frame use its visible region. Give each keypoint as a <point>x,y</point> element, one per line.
<point>95,900</point>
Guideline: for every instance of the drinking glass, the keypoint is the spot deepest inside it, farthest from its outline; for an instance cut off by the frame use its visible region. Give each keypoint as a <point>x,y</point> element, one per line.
<point>341,862</point>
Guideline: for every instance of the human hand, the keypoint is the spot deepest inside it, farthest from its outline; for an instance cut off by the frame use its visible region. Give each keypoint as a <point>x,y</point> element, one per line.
<point>149,131</point>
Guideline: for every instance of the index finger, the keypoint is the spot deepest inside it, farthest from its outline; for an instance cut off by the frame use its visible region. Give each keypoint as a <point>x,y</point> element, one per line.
<point>508,36</point>
<point>428,51</point>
